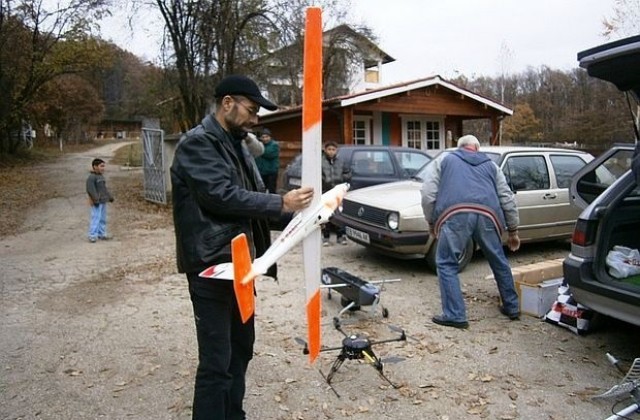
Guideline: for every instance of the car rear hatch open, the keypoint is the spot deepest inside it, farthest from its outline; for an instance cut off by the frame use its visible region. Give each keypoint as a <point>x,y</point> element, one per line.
<point>617,62</point>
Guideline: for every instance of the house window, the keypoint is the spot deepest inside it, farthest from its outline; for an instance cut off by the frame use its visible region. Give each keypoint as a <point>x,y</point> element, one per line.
<point>422,133</point>
<point>372,75</point>
<point>414,134</point>
<point>433,135</point>
<point>361,130</point>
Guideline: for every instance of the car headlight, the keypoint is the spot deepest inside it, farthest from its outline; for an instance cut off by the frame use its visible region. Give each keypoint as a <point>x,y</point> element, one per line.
<point>392,220</point>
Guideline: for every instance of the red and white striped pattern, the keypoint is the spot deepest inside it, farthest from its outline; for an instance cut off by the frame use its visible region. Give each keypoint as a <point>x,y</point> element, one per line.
<point>312,168</point>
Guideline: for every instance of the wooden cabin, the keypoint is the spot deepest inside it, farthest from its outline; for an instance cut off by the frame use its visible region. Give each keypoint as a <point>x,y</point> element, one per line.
<point>426,114</point>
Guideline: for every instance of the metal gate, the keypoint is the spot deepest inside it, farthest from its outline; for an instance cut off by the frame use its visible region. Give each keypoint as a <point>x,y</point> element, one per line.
<point>155,188</point>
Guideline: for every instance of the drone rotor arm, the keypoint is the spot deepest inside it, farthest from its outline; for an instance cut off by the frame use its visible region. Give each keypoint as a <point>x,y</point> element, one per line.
<point>403,337</point>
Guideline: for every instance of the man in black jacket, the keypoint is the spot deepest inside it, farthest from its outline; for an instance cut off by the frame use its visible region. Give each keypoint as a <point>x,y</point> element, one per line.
<point>217,194</point>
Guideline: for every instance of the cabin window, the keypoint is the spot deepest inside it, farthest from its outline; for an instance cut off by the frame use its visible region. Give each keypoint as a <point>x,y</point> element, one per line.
<point>422,133</point>
<point>361,130</point>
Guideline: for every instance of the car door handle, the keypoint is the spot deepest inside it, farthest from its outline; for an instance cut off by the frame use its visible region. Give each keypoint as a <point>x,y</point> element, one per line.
<point>550,196</point>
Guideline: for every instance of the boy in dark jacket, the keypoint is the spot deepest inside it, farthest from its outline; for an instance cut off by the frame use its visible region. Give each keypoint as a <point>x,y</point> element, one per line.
<point>99,196</point>
<point>334,172</point>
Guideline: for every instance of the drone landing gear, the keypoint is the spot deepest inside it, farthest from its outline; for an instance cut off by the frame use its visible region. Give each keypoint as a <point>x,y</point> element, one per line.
<point>350,305</point>
<point>357,347</point>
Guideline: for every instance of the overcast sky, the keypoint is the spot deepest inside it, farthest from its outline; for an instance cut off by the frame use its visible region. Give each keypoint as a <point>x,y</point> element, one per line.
<point>429,37</point>
<point>452,37</point>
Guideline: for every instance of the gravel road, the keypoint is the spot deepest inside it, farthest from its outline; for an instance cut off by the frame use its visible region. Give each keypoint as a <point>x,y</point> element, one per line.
<point>105,330</point>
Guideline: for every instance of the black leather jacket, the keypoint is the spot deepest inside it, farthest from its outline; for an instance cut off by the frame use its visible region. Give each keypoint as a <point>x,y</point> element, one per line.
<point>217,194</point>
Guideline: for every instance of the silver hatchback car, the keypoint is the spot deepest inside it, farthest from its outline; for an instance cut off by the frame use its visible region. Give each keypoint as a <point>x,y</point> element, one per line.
<point>389,219</point>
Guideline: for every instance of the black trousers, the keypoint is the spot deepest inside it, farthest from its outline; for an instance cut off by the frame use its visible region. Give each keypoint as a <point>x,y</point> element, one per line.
<point>225,347</point>
<point>329,227</point>
<point>271,182</point>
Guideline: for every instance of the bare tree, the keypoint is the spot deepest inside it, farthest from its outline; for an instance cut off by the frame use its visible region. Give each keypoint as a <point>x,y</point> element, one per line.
<point>625,20</point>
<point>209,39</point>
<point>205,40</point>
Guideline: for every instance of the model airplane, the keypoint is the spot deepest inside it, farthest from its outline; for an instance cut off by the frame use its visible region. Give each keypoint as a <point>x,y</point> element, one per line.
<point>304,227</point>
<point>243,271</point>
<point>355,291</point>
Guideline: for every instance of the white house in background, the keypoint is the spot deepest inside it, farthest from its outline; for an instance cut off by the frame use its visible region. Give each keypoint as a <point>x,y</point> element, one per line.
<point>281,71</point>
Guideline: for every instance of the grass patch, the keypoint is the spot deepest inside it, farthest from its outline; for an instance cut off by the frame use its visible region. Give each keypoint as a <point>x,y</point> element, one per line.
<point>20,189</point>
<point>129,155</point>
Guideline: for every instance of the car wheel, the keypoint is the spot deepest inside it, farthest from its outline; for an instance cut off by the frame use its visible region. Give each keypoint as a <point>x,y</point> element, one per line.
<point>463,261</point>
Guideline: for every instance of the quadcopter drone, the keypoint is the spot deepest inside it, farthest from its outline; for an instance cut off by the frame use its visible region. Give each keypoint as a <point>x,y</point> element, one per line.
<point>357,347</point>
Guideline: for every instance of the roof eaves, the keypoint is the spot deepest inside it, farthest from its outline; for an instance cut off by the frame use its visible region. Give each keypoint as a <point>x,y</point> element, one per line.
<point>357,98</point>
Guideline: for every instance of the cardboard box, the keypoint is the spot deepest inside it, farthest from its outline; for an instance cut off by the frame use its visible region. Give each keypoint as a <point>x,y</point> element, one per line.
<point>537,272</point>
<point>537,285</point>
<point>537,299</point>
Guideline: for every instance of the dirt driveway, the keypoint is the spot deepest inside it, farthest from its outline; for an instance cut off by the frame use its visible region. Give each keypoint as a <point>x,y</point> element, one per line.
<point>105,330</point>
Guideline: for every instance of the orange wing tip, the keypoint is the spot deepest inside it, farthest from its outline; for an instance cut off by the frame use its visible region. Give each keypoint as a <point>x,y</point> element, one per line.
<point>313,325</point>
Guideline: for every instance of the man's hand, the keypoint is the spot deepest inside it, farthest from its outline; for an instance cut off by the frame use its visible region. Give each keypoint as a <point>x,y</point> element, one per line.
<point>513,241</point>
<point>296,200</point>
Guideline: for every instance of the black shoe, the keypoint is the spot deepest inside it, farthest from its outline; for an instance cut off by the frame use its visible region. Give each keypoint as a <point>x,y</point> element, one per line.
<point>455,324</point>
<point>514,316</point>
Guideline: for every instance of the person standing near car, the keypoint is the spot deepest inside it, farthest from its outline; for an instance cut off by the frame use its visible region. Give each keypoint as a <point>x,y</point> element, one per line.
<point>465,196</point>
<point>269,161</point>
<point>217,194</point>
<point>334,172</point>
<point>99,196</point>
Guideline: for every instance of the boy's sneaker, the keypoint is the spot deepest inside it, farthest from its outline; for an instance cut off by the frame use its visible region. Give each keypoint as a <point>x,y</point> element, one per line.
<point>342,240</point>
<point>105,238</point>
<point>92,239</point>
<point>325,242</point>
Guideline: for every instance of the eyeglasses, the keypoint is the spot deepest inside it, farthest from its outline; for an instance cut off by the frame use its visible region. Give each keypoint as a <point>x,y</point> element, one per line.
<point>251,110</point>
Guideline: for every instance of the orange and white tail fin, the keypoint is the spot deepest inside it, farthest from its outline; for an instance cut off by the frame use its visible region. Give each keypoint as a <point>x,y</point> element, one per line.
<point>242,268</point>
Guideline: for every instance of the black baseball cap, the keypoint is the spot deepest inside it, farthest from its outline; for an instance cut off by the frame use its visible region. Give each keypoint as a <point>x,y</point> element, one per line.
<point>243,86</point>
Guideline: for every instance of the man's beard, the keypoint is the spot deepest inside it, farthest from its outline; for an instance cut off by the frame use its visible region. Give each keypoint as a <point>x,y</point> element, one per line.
<point>238,132</point>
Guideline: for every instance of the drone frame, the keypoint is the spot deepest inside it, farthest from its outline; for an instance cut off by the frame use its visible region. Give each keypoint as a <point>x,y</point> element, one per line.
<point>356,347</point>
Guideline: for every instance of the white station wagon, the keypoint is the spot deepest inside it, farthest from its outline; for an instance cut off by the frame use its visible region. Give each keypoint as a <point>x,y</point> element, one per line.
<point>388,218</point>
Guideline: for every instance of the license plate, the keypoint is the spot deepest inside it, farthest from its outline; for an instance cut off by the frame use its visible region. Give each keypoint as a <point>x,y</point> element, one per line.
<point>356,234</point>
<point>295,181</point>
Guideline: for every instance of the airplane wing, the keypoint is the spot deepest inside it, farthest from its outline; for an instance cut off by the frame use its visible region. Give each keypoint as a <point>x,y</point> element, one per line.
<point>302,225</point>
<point>311,168</point>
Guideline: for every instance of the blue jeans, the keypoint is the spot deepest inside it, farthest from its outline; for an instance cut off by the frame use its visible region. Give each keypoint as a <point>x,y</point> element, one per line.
<point>98,221</point>
<point>454,235</point>
<point>225,347</point>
